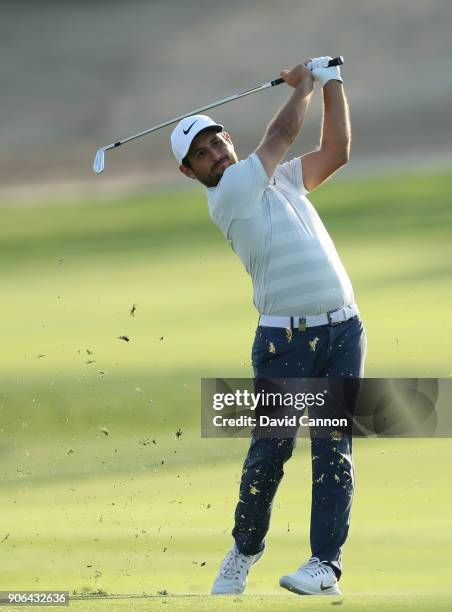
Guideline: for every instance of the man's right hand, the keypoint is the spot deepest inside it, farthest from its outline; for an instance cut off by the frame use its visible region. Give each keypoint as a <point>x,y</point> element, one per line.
<point>298,75</point>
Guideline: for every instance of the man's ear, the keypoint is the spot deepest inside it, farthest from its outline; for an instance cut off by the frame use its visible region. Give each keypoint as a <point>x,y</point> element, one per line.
<point>187,171</point>
<point>227,136</point>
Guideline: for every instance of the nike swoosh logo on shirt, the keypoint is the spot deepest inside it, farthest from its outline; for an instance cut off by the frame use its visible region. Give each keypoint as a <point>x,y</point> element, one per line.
<point>186,131</point>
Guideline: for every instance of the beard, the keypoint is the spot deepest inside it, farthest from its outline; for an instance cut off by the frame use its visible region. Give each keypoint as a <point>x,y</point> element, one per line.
<point>216,174</point>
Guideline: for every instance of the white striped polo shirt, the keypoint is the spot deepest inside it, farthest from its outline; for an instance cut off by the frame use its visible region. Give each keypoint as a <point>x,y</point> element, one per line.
<point>280,238</point>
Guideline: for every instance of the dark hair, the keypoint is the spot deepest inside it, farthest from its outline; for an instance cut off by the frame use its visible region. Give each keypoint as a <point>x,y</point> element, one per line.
<point>186,163</point>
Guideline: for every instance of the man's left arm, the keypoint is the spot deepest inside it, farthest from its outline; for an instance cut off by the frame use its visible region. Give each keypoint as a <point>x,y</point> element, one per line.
<point>335,137</point>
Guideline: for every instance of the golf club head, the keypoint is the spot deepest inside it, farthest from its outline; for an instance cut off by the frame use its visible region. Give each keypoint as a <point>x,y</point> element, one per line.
<point>99,161</point>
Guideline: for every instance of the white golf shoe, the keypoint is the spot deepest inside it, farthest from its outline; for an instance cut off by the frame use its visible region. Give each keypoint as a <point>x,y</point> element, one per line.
<point>231,578</point>
<point>315,577</point>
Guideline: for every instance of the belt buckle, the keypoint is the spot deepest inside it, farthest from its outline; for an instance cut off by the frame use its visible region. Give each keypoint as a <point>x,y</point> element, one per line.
<point>302,324</point>
<point>330,321</point>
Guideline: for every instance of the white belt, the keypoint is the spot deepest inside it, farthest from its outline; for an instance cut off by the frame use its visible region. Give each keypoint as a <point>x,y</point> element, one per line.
<point>302,322</point>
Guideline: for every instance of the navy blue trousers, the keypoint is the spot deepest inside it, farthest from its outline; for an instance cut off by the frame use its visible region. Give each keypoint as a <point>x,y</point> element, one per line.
<point>325,351</point>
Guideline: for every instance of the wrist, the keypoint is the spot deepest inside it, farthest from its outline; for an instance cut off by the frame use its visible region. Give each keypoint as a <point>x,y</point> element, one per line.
<point>333,83</point>
<point>305,88</point>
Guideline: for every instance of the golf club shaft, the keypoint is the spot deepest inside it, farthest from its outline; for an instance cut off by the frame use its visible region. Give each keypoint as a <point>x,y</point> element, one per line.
<point>337,61</point>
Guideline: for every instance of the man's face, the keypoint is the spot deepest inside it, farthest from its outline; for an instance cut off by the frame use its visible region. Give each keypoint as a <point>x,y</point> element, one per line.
<point>209,155</point>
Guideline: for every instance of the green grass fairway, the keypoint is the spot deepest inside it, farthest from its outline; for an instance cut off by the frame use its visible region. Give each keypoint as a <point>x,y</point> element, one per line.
<point>149,527</point>
<point>99,494</point>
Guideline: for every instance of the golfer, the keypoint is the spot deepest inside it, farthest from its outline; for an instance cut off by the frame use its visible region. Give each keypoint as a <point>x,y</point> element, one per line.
<point>309,325</point>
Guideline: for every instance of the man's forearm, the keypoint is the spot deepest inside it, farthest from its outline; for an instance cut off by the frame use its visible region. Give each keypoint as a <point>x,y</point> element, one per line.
<point>284,127</point>
<point>289,119</point>
<point>336,131</point>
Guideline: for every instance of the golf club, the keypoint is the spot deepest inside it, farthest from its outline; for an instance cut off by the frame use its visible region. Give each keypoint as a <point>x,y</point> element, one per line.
<point>99,160</point>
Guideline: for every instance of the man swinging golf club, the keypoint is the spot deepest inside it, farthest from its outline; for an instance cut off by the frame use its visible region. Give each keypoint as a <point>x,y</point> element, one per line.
<point>309,325</point>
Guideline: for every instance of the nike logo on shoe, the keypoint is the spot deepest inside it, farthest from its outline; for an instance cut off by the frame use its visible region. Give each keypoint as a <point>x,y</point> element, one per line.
<point>325,588</point>
<point>186,131</point>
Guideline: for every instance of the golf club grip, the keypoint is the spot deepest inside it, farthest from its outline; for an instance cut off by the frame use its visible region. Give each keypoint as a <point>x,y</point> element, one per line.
<point>336,61</point>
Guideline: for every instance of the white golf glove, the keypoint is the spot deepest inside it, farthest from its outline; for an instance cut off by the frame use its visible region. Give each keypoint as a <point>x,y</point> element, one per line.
<point>321,72</point>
